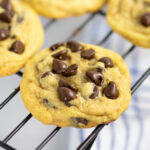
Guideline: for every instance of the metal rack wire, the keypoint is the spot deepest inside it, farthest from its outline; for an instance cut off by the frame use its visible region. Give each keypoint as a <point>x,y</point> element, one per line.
<point>88,142</point>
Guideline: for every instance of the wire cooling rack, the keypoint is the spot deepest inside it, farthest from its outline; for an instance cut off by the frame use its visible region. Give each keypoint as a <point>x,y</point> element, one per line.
<point>88,142</point>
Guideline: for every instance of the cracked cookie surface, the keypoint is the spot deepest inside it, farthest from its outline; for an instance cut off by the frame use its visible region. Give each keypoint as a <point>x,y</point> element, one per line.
<point>76,84</point>
<point>21,35</point>
<point>131,19</point>
<point>65,8</point>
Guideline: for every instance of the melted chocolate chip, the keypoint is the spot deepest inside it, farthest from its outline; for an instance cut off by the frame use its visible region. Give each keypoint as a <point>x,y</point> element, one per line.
<point>80,120</point>
<point>62,55</point>
<point>74,46</point>
<point>100,69</point>
<point>107,61</point>
<point>71,70</point>
<point>57,45</point>
<point>47,103</point>
<point>9,12</point>
<point>66,94</point>
<point>5,17</point>
<point>6,4</point>
<point>4,34</point>
<point>20,19</point>
<point>88,54</point>
<point>111,91</point>
<point>17,47</point>
<point>145,20</point>
<point>46,74</point>
<point>59,66</point>
<point>62,83</point>
<point>69,104</point>
<point>13,37</point>
<point>95,77</point>
<point>95,92</point>
<point>9,27</point>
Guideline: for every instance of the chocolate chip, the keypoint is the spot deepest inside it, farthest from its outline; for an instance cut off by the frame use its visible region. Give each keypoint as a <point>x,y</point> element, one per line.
<point>4,34</point>
<point>66,94</point>
<point>69,104</point>
<point>62,83</point>
<point>6,4</point>
<point>88,54</point>
<point>74,46</point>
<point>62,55</point>
<point>9,27</point>
<point>20,19</point>
<point>13,37</point>
<point>80,120</point>
<point>45,74</point>
<point>145,20</point>
<point>47,103</point>
<point>107,61</point>
<point>59,66</point>
<point>9,12</point>
<point>5,16</point>
<point>95,77</point>
<point>71,70</point>
<point>111,91</point>
<point>57,45</point>
<point>17,47</point>
<point>95,92</point>
<point>100,69</point>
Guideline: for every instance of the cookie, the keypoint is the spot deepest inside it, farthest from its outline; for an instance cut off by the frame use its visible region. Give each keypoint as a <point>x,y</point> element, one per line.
<point>65,8</point>
<point>76,84</point>
<point>21,35</point>
<point>131,19</point>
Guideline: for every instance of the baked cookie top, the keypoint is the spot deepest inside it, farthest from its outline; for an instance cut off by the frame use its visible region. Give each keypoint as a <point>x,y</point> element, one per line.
<point>21,35</point>
<point>65,8</point>
<point>76,84</point>
<point>131,19</point>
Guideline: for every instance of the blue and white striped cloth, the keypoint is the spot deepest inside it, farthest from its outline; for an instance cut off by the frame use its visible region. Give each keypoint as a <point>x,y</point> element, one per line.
<point>132,130</point>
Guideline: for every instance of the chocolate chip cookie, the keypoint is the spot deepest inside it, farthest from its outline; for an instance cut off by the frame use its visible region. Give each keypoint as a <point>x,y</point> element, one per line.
<point>76,84</point>
<point>131,19</point>
<point>21,35</point>
<point>65,8</point>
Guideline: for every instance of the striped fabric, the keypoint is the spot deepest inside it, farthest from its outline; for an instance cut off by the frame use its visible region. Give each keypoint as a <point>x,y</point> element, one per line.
<point>132,130</point>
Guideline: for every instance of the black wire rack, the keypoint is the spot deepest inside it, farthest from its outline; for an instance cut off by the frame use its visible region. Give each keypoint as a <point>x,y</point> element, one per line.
<point>88,142</point>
